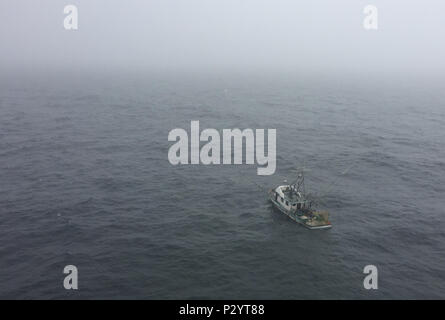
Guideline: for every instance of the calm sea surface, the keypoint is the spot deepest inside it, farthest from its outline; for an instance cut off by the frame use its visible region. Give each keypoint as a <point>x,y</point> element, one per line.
<point>85,180</point>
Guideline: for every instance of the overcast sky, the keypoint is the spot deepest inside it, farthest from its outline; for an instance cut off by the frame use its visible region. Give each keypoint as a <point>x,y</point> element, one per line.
<point>229,34</point>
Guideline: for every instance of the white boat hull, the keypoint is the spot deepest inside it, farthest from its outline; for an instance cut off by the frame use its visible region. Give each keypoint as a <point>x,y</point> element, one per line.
<point>293,215</point>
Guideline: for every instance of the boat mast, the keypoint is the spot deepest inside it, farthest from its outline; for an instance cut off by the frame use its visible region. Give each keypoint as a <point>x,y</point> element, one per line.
<point>300,183</point>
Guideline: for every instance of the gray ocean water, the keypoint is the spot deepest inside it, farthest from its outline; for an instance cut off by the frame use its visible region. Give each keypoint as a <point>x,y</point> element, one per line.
<point>85,180</point>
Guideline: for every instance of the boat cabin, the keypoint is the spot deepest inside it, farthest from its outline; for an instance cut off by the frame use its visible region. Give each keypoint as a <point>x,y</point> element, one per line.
<point>290,199</point>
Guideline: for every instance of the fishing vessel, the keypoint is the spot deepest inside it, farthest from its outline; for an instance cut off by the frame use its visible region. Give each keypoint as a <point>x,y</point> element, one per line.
<point>292,200</point>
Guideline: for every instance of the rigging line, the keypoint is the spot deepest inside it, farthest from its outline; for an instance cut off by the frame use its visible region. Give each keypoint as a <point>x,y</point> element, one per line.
<point>331,185</point>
